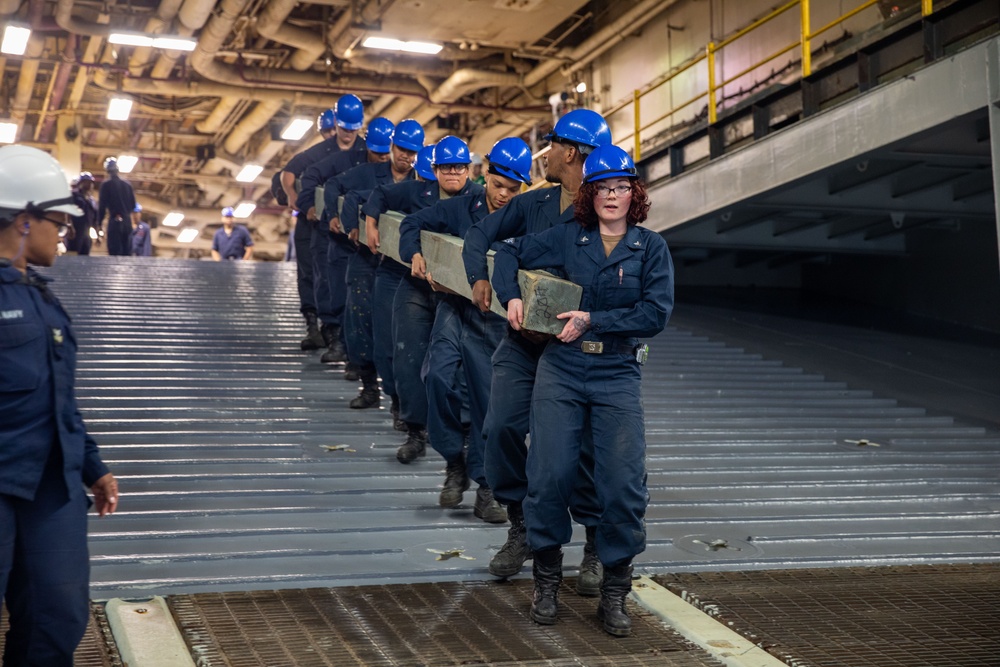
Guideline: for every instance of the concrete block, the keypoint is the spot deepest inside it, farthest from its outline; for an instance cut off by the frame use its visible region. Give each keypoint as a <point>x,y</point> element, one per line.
<point>321,203</point>
<point>443,254</point>
<point>545,296</point>
<point>146,634</point>
<point>388,230</point>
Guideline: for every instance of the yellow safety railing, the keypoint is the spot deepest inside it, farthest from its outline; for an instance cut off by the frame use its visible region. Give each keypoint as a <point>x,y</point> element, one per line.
<point>806,35</point>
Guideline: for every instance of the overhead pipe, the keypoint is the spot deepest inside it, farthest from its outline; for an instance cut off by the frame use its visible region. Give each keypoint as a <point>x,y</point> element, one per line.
<point>261,115</point>
<point>69,23</point>
<point>218,115</point>
<point>155,25</point>
<point>59,84</point>
<point>26,78</point>
<point>271,24</point>
<point>344,33</point>
<point>192,16</point>
<point>214,34</point>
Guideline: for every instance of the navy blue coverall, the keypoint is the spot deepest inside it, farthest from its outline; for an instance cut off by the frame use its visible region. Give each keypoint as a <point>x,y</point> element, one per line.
<point>46,458</point>
<point>629,294</point>
<point>462,341</point>
<point>82,224</point>
<point>116,200</point>
<point>366,349</point>
<point>304,261</point>
<point>413,305</point>
<point>516,359</point>
<point>329,259</point>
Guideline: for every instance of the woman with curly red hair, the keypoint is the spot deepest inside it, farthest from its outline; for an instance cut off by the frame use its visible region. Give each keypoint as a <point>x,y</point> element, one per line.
<point>592,369</point>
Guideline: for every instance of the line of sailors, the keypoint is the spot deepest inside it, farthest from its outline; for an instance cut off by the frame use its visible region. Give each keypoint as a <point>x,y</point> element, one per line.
<point>461,378</point>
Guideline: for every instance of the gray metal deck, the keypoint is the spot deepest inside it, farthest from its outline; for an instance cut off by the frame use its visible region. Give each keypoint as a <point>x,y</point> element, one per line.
<point>191,381</point>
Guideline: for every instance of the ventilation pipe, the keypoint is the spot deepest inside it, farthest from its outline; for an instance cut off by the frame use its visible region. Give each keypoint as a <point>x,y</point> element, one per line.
<point>214,34</point>
<point>271,24</point>
<point>27,76</point>
<point>156,25</point>
<point>251,123</point>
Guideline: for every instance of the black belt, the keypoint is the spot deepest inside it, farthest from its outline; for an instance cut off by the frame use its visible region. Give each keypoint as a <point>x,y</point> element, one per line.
<point>600,347</point>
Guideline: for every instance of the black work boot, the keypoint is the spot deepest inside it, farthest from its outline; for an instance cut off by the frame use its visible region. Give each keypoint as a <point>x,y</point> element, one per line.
<point>335,351</point>
<point>456,482</point>
<point>547,571</point>
<point>313,339</point>
<point>487,508</point>
<point>370,396</point>
<point>351,373</point>
<point>510,559</point>
<point>588,584</point>
<point>415,445</point>
<point>615,587</point>
<point>397,423</point>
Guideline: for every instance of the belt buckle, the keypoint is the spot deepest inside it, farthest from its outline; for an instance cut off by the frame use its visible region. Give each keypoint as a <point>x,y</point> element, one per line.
<point>592,347</point>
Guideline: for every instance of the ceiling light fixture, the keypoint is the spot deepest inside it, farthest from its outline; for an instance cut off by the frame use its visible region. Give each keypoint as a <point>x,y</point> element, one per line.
<point>119,108</point>
<point>126,163</point>
<point>581,87</point>
<point>187,235</point>
<point>15,39</point>
<point>244,209</point>
<point>160,42</point>
<point>428,48</point>
<point>8,132</point>
<point>296,129</point>
<point>173,219</point>
<point>249,173</point>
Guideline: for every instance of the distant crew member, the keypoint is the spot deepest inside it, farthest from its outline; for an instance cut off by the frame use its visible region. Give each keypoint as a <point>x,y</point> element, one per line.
<point>232,241</point>
<point>82,224</point>
<point>142,244</point>
<point>116,201</point>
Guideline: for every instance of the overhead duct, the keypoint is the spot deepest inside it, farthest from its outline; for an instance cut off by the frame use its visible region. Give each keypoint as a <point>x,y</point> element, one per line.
<point>271,24</point>
<point>27,76</point>
<point>467,80</point>
<point>251,123</point>
<point>219,114</point>
<point>216,31</point>
<point>156,25</point>
<point>343,34</point>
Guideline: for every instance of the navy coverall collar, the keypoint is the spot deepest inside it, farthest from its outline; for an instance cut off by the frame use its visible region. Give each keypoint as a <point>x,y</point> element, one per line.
<point>592,245</point>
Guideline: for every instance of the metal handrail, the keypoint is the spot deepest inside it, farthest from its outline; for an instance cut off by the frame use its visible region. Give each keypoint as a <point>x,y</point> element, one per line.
<point>806,34</point>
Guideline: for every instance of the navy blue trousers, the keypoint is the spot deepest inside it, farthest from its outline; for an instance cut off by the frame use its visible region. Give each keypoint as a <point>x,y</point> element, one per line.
<point>444,380</point>
<point>117,237</point>
<point>319,247</point>
<point>571,387</point>
<point>45,573</point>
<point>481,335</point>
<point>338,254</point>
<point>387,278</point>
<point>412,321</point>
<point>304,265</point>
<point>506,428</point>
<point>358,319</point>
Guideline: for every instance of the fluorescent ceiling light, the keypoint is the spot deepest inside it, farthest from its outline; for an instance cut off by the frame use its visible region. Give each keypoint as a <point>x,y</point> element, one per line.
<point>119,108</point>
<point>187,235</point>
<point>159,42</point>
<point>8,133</point>
<point>173,218</point>
<point>581,87</point>
<point>130,39</point>
<point>389,44</point>
<point>15,39</point>
<point>244,209</point>
<point>296,129</point>
<point>174,43</point>
<point>126,163</point>
<point>249,173</point>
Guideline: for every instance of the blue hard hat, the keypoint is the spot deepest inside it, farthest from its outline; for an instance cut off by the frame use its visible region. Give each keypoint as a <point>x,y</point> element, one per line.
<point>111,164</point>
<point>409,135</point>
<point>138,208</point>
<point>326,120</point>
<point>423,166</point>
<point>379,135</point>
<point>227,212</point>
<point>608,162</point>
<point>511,157</point>
<point>451,150</point>
<point>582,127</point>
<point>85,176</point>
<point>350,112</point>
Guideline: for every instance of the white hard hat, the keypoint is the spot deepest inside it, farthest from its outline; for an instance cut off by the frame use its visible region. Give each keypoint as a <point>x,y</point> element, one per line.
<point>32,179</point>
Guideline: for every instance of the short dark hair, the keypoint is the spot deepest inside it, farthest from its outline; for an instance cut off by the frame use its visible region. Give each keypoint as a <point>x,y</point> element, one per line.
<point>583,205</point>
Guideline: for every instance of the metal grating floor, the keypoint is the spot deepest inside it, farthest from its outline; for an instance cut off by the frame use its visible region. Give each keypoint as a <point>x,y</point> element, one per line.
<point>96,649</point>
<point>469,623</point>
<point>903,616</point>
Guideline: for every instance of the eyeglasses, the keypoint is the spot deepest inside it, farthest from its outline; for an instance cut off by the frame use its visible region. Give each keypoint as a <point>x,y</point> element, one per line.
<point>61,224</point>
<point>619,190</point>
<point>453,168</point>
